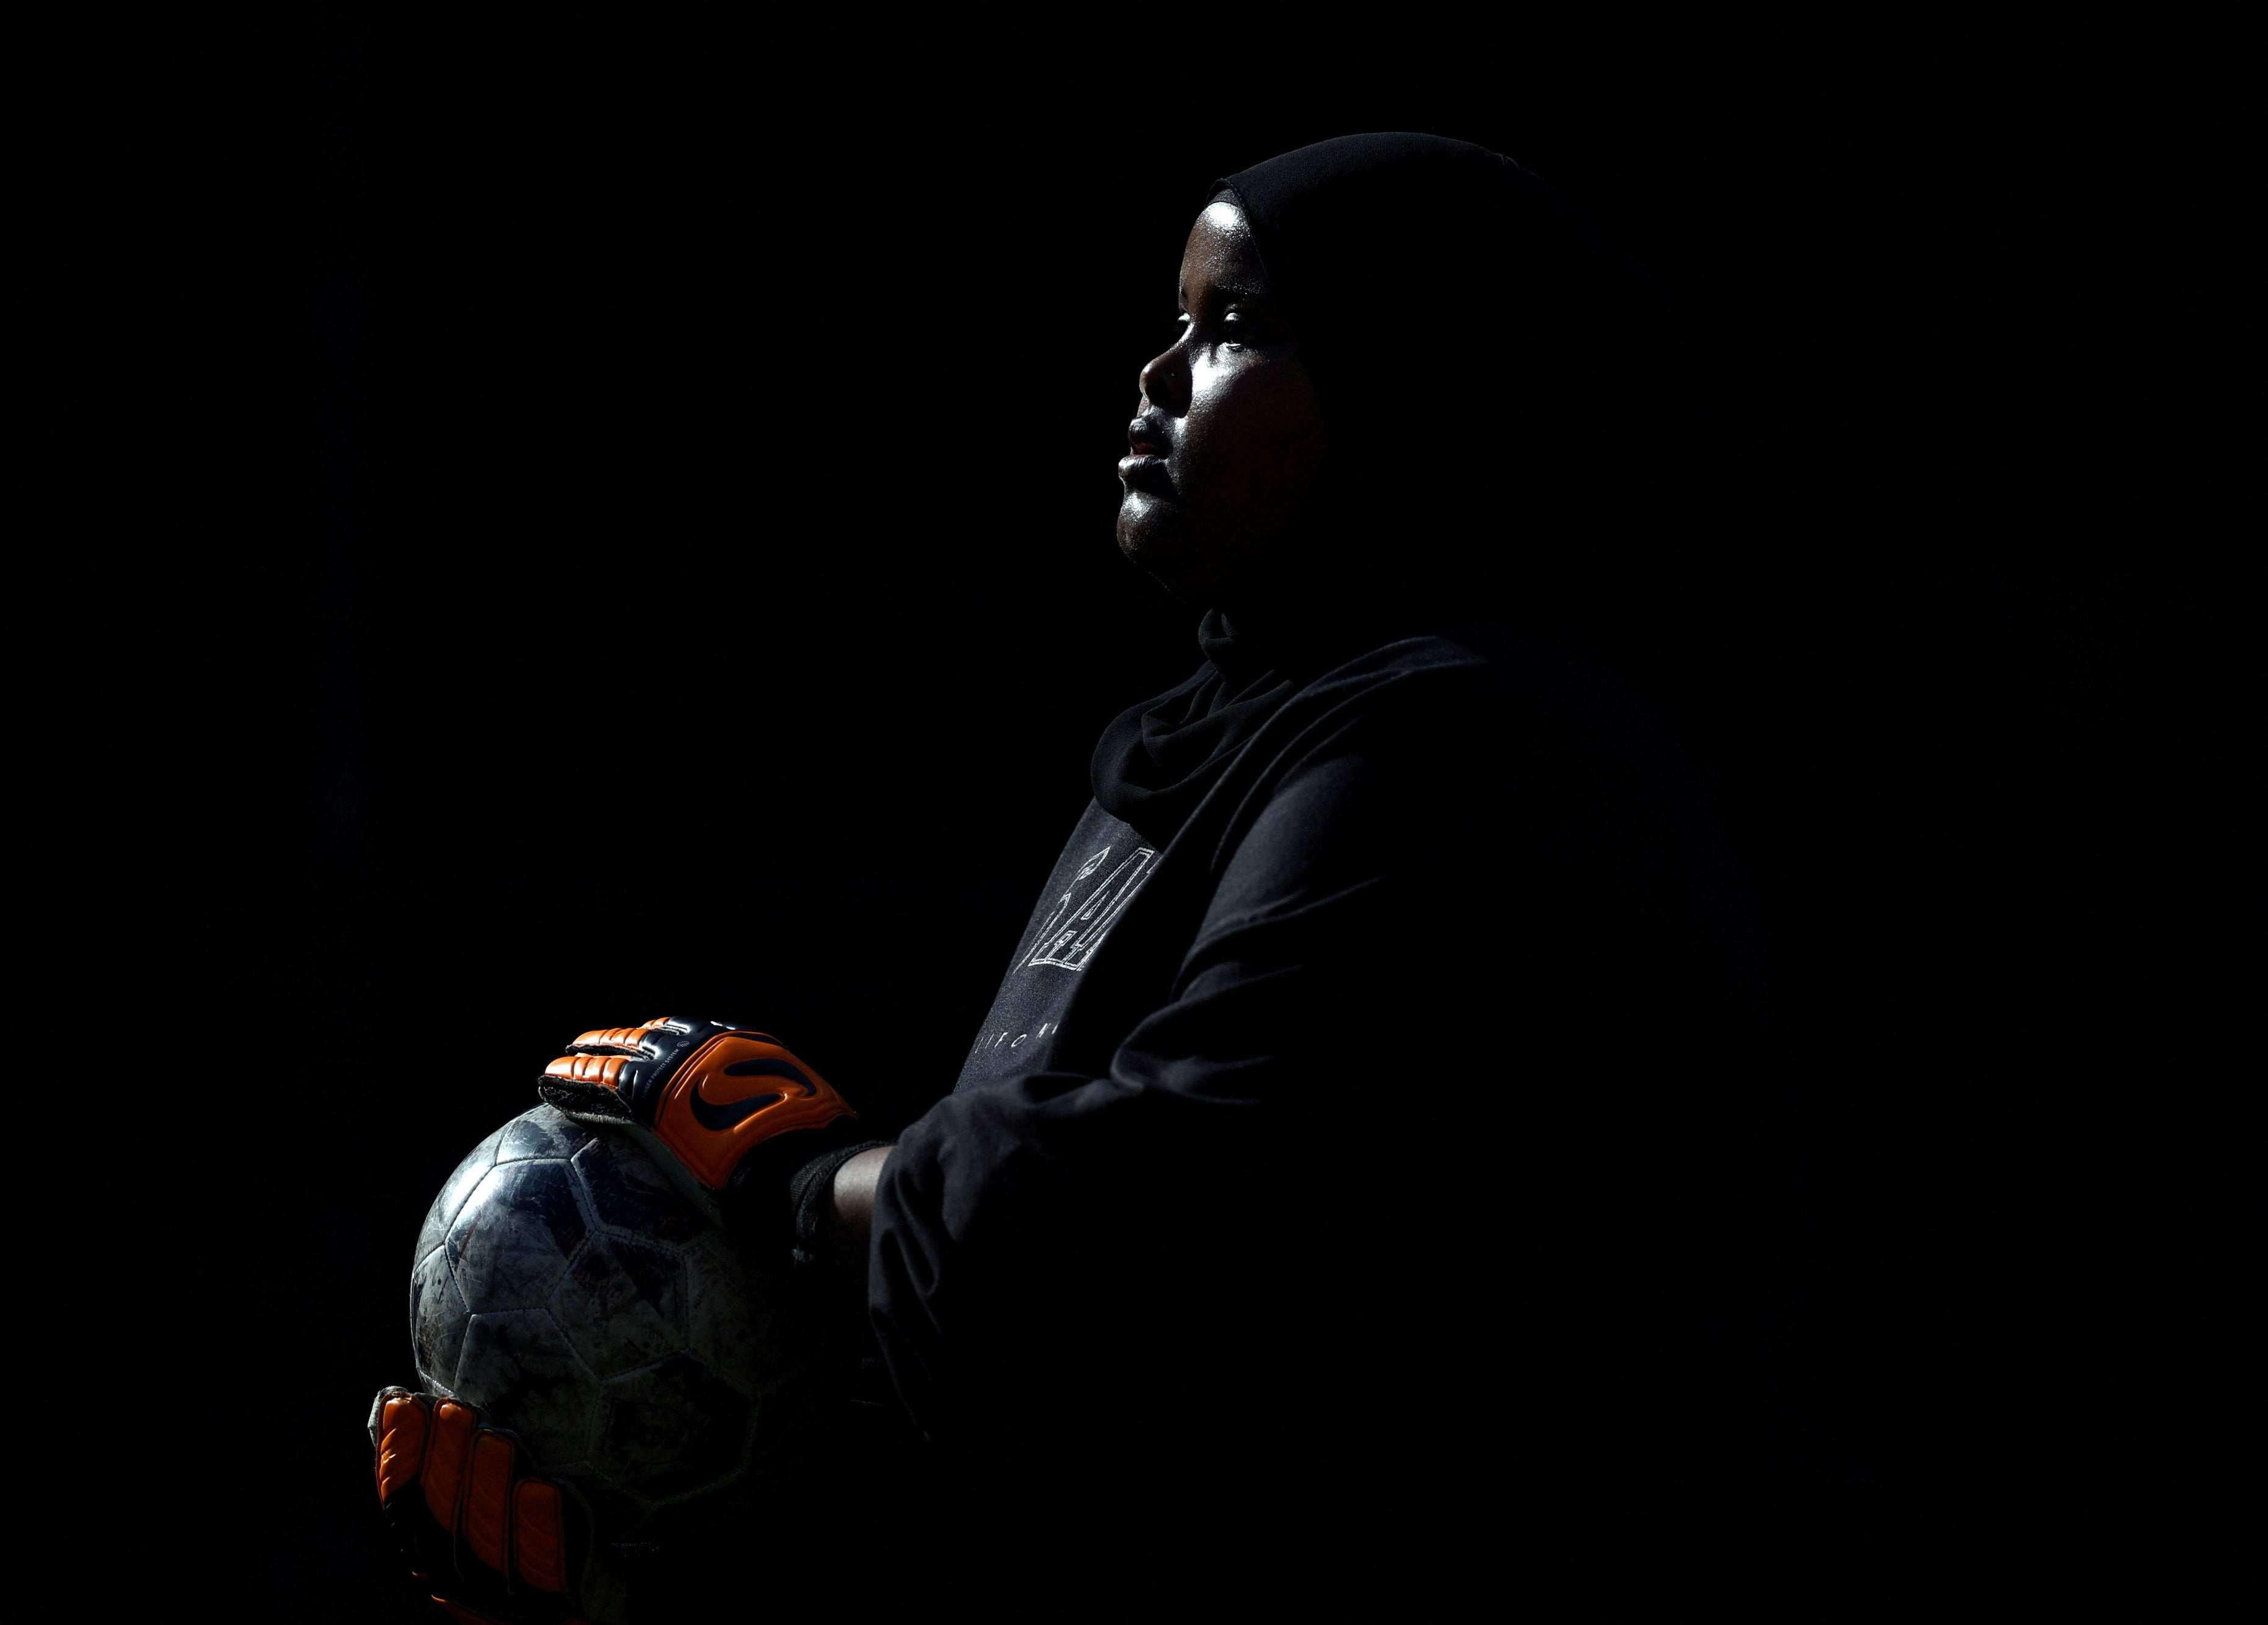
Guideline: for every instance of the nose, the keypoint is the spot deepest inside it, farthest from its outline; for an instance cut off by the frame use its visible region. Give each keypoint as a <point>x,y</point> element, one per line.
<point>1164,381</point>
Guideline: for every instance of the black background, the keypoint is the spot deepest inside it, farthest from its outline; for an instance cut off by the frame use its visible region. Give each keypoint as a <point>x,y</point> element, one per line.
<point>638,504</point>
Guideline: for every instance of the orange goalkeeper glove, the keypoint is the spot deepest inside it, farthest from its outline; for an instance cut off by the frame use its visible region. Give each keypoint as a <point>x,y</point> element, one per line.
<point>483,1540</point>
<point>719,1106</point>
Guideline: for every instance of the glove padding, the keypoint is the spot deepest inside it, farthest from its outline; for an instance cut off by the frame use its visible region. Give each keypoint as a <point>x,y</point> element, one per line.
<point>483,1540</point>
<point>706,1093</point>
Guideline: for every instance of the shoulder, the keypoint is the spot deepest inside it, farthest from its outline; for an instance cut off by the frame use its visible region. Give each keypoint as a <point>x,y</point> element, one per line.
<point>1472,729</point>
<point>1380,695</point>
<point>1365,756</point>
<point>1482,694</point>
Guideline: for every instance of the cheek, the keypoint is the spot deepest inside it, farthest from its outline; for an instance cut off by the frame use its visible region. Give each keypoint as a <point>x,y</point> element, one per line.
<point>1253,433</point>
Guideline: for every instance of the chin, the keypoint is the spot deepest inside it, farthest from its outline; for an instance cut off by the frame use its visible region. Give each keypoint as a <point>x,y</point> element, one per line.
<point>1153,534</point>
<point>1195,566</point>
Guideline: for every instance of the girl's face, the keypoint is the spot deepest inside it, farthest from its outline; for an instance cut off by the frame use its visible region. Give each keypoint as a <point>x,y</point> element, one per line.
<point>1228,437</point>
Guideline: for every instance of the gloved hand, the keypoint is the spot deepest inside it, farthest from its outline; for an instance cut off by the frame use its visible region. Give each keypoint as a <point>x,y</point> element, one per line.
<point>488,1543</point>
<point>711,1102</point>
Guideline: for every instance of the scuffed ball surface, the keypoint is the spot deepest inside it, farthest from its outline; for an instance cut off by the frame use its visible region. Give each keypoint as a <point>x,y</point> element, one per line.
<point>564,1288</point>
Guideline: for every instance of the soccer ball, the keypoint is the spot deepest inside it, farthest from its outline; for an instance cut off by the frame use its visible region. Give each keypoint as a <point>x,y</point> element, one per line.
<point>564,1288</point>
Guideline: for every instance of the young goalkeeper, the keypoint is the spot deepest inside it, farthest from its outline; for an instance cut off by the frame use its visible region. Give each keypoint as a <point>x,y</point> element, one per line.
<point>1346,1186</point>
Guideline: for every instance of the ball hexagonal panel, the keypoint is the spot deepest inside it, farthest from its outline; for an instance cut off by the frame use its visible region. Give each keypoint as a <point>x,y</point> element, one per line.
<point>733,1318</point>
<point>514,1235</point>
<point>519,1368</point>
<point>622,1303</point>
<point>545,1131</point>
<point>436,1321</point>
<point>459,1185</point>
<point>627,1193</point>
<point>671,1429</point>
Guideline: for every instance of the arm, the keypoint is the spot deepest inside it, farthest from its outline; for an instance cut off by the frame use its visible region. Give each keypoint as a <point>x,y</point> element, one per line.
<point>849,1220</point>
<point>1129,1223</point>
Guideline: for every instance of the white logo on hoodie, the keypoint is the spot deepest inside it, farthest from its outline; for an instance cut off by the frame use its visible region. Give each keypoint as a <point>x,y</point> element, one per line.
<point>1071,935</point>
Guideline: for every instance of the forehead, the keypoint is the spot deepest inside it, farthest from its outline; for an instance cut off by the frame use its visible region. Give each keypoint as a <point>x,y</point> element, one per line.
<point>1221,254</point>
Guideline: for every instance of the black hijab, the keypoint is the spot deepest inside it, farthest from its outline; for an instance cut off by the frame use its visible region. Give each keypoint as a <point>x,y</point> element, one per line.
<point>1471,338</point>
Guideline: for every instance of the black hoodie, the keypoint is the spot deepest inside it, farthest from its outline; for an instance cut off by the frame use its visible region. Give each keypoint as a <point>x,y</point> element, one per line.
<point>1370,1093</point>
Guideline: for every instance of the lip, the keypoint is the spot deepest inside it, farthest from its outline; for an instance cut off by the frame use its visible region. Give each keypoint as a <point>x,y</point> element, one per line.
<point>1142,472</point>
